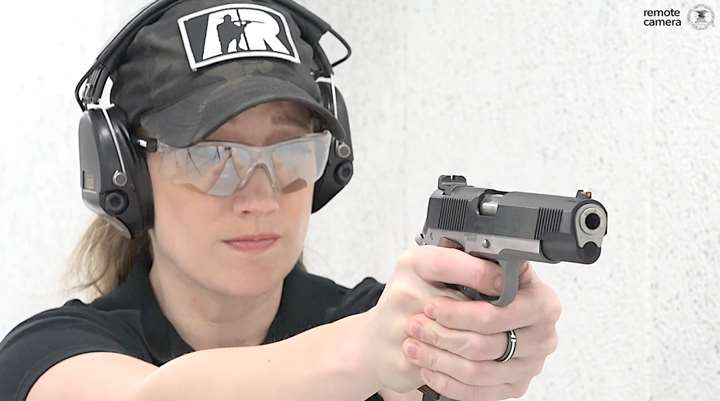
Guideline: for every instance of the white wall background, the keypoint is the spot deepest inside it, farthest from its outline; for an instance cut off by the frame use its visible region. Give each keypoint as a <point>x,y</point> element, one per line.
<point>531,96</point>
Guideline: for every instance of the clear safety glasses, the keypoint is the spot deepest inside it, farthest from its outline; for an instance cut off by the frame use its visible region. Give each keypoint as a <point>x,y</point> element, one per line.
<point>221,168</point>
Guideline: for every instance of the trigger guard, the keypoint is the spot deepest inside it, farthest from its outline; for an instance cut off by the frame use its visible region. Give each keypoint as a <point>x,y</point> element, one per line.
<point>511,278</point>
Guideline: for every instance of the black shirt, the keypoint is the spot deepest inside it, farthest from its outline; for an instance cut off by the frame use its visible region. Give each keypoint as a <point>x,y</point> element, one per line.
<point>129,321</point>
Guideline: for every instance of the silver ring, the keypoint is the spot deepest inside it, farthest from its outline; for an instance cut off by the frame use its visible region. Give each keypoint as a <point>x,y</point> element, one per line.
<point>511,346</point>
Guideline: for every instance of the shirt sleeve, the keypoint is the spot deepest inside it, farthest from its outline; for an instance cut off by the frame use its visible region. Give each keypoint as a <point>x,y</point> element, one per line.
<point>357,300</point>
<point>40,342</point>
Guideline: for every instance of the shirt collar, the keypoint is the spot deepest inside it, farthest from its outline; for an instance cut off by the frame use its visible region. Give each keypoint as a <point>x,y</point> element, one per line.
<point>164,342</point>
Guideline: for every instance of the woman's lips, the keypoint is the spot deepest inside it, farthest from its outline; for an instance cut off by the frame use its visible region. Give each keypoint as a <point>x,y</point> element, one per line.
<point>252,246</point>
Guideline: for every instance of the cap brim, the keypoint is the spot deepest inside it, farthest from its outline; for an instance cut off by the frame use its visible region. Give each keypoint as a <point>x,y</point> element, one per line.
<point>203,111</point>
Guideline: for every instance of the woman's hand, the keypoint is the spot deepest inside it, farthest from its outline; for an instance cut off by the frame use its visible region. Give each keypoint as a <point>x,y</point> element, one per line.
<point>459,340</point>
<point>405,296</point>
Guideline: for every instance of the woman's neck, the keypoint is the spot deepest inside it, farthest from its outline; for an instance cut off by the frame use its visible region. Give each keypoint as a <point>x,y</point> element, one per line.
<point>206,319</point>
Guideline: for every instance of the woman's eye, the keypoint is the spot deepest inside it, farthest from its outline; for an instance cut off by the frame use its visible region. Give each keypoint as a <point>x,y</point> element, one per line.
<point>206,154</point>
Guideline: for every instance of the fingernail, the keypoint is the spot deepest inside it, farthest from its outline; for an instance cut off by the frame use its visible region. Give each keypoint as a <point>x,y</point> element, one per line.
<point>430,311</point>
<point>499,283</point>
<point>411,350</point>
<point>415,329</point>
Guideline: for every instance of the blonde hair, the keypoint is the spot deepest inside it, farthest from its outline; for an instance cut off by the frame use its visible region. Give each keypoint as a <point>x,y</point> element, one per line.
<point>103,257</point>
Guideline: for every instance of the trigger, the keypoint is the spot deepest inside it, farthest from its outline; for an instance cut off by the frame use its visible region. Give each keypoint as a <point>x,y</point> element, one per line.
<point>449,243</point>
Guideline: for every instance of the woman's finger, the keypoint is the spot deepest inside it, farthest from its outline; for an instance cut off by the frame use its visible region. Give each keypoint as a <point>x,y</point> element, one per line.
<point>456,390</point>
<point>536,304</point>
<point>532,342</point>
<point>475,373</point>
<point>452,266</point>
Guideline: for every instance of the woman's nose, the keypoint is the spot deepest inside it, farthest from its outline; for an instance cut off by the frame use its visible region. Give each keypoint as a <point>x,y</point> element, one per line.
<point>258,194</point>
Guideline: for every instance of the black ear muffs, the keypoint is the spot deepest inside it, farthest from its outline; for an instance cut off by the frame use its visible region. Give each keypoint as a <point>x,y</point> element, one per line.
<point>114,177</point>
<point>339,169</point>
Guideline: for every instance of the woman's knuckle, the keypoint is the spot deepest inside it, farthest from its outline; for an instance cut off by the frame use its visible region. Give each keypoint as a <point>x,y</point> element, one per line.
<point>436,261</point>
<point>517,390</point>
<point>538,368</point>
<point>552,307</point>
<point>484,320</point>
<point>532,367</point>
<point>477,373</point>
<point>487,349</point>
<point>547,343</point>
<point>555,309</point>
<point>403,296</point>
<point>552,343</point>
<point>464,372</point>
<point>474,347</point>
<point>432,336</point>
<point>549,310</point>
<point>479,393</point>
<point>402,365</point>
<point>442,384</point>
<point>432,359</point>
<point>406,259</point>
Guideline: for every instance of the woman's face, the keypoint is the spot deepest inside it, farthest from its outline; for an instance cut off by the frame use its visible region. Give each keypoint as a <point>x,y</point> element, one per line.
<point>191,227</point>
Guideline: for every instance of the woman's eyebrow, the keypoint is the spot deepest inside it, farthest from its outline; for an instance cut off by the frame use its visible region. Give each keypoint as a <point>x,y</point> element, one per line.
<point>290,119</point>
<point>275,138</point>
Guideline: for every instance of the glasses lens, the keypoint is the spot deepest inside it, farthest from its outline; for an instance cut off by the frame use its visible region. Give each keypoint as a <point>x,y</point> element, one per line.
<point>294,161</point>
<point>206,166</point>
<point>200,165</point>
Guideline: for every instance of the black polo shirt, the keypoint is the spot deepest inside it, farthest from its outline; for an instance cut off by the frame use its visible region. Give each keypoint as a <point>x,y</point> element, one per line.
<point>129,321</point>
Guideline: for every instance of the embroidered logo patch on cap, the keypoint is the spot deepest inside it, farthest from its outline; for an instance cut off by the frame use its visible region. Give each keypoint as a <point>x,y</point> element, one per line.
<point>234,31</point>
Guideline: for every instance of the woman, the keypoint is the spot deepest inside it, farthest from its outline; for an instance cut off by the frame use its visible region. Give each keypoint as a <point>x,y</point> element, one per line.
<point>213,303</point>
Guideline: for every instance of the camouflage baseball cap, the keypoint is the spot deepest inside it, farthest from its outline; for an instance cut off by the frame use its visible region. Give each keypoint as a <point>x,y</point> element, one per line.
<point>205,61</point>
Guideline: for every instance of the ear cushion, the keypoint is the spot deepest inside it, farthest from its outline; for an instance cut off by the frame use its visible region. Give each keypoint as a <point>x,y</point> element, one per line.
<point>113,174</point>
<point>339,169</point>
